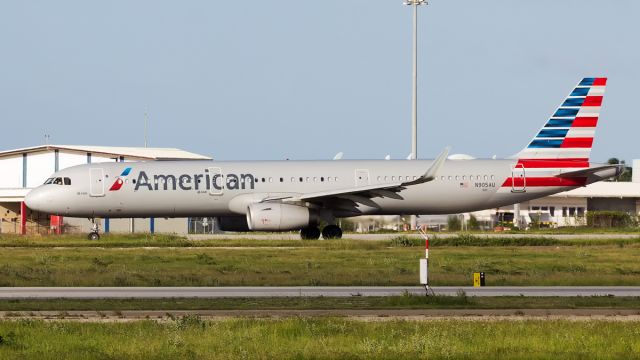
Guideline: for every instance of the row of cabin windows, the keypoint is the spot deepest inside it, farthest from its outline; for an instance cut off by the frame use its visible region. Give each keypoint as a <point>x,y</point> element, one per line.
<point>399,178</point>
<point>299,179</point>
<point>380,178</point>
<point>58,181</point>
<point>293,179</point>
<point>442,178</point>
<point>471,177</point>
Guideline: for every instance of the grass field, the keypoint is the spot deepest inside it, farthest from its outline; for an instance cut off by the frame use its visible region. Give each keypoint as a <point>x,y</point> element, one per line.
<point>402,239</point>
<point>320,338</point>
<point>321,303</point>
<point>170,261</point>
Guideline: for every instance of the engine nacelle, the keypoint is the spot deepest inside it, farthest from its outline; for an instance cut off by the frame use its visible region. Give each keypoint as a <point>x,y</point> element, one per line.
<point>279,217</point>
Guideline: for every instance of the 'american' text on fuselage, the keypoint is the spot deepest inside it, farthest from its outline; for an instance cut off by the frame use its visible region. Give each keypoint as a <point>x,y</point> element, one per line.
<point>193,182</point>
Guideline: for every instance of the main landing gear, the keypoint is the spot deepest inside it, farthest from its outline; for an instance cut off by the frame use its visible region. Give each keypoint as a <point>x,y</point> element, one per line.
<point>331,232</point>
<point>313,233</point>
<point>94,234</point>
<point>310,233</point>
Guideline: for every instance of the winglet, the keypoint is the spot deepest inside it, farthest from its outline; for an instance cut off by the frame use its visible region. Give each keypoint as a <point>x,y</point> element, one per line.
<point>432,171</point>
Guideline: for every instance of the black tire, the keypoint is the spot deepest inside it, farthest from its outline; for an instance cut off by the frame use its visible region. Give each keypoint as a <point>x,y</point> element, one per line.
<point>331,232</point>
<point>310,233</point>
<point>94,236</point>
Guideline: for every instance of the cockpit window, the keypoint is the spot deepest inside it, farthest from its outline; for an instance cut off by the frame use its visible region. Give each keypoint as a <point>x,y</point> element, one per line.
<point>58,181</point>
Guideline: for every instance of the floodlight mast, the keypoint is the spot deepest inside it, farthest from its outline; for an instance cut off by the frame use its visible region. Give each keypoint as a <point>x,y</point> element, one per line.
<point>414,102</point>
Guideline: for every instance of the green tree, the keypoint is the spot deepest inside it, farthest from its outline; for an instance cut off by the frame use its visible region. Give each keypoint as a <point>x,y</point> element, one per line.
<point>626,175</point>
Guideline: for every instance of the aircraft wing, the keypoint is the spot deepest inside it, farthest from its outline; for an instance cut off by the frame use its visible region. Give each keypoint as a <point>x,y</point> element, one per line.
<point>363,194</point>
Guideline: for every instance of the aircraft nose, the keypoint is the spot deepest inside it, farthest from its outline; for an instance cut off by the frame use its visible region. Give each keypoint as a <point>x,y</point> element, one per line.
<point>36,199</point>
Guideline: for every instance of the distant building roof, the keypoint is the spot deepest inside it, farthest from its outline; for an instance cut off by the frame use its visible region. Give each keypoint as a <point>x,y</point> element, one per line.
<point>604,189</point>
<point>133,152</point>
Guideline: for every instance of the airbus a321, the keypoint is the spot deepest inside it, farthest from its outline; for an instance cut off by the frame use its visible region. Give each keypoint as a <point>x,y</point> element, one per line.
<point>300,195</point>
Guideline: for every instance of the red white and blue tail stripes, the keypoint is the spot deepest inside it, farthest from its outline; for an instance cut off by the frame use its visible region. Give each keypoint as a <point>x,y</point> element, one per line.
<point>564,142</point>
<point>568,134</point>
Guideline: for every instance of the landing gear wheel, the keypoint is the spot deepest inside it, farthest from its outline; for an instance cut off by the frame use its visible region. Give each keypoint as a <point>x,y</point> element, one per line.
<point>312,233</point>
<point>331,232</point>
<point>95,231</point>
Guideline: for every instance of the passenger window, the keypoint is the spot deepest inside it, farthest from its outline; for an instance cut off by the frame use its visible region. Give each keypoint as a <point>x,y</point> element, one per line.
<point>322,179</point>
<point>301,179</point>
<point>281,179</point>
<point>67,181</point>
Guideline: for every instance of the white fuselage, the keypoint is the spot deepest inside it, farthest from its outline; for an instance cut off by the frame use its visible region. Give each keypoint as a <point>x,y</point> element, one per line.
<point>213,188</point>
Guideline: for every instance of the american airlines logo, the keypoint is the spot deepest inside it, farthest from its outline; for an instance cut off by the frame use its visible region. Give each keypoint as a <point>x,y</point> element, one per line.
<point>204,181</point>
<point>119,181</point>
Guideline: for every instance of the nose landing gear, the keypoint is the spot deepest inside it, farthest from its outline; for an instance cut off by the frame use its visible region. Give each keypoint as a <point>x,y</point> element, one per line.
<point>94,234</point>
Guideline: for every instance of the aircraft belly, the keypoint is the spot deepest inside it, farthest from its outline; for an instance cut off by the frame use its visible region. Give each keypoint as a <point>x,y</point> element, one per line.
<point>157,204</point>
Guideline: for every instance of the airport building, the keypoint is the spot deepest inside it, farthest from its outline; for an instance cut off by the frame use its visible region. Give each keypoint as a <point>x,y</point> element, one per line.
<point>23,169</point>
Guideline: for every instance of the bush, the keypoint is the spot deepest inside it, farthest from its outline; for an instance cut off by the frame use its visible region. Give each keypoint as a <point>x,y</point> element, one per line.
<point>473,223</point>
<point>609,219</point>
<point>453,223</point>
<point>405,241</point>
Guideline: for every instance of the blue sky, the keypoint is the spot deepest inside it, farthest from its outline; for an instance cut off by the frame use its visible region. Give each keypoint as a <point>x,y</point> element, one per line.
<point>305,80</point>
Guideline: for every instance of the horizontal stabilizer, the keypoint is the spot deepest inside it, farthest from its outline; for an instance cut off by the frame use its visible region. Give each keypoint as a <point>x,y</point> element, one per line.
<point>604,171</point>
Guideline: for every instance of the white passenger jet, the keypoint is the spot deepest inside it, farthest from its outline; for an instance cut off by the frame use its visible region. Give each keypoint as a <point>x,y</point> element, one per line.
<point>300,195</point>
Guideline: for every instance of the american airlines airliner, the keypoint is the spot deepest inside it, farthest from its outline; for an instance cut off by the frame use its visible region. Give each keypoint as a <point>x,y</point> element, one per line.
<point>300,195</point>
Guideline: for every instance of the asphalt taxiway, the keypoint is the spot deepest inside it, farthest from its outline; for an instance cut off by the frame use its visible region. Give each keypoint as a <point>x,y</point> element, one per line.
<point>305,291</point>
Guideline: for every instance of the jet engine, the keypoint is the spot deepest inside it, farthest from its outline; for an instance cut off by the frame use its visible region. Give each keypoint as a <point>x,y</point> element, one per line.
<point>279,217</point>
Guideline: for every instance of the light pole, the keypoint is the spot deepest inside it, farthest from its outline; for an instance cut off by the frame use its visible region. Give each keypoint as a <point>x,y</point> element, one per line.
<point>414,102</point>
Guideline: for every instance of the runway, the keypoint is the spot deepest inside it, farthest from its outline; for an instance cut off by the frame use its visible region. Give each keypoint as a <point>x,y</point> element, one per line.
<point>306,291</point>
<point>389,236</point>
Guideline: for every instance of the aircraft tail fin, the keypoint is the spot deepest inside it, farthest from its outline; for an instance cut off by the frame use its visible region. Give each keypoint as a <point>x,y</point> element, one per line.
<point>568,134</point>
